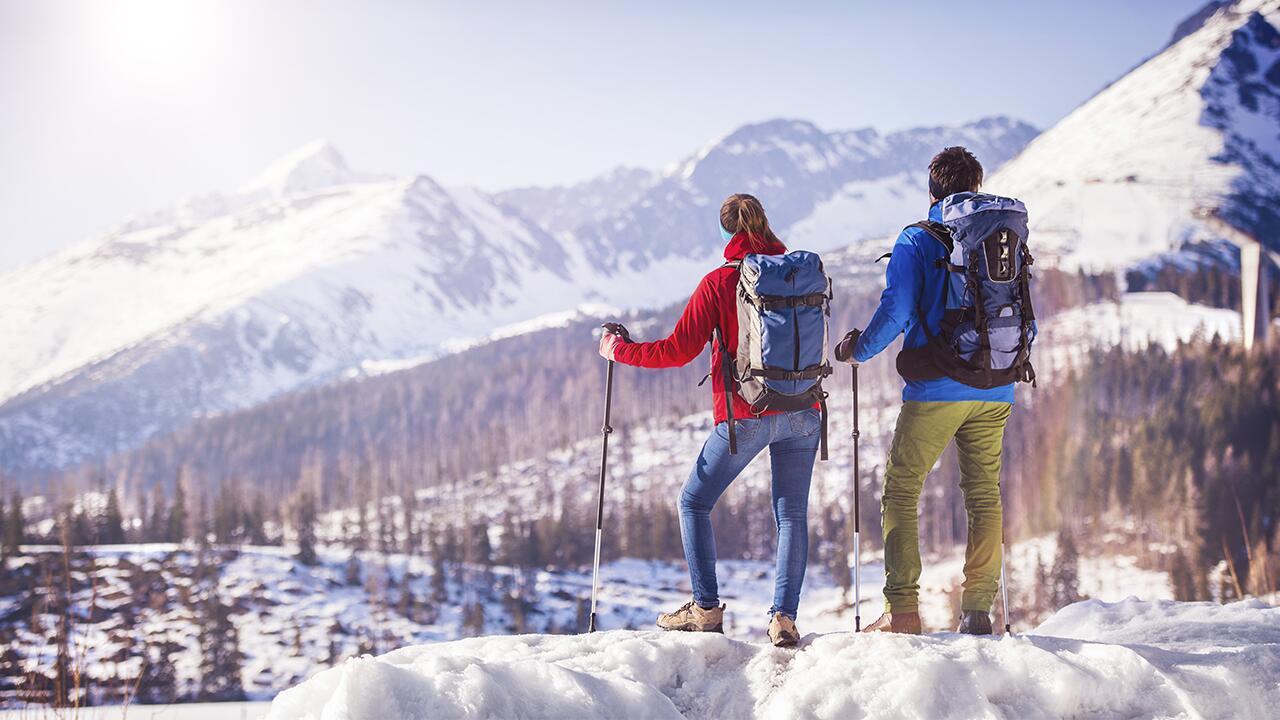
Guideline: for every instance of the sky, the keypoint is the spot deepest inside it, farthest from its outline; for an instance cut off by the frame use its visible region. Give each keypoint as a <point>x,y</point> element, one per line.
<point>113,107</point>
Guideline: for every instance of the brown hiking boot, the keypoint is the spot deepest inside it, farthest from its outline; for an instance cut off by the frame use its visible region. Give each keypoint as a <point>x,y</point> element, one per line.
<point>906,622</point>
<point>692,618</point>
<point>782,631</point>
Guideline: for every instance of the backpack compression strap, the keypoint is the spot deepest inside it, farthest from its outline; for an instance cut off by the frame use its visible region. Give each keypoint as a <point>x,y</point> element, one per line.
<point>726,372</point>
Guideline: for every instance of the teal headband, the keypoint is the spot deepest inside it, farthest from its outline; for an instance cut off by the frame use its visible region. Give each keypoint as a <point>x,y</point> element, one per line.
<point>725,234</point>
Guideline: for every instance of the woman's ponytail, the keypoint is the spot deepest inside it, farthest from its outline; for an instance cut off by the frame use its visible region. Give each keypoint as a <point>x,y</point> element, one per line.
<point>742,213</point>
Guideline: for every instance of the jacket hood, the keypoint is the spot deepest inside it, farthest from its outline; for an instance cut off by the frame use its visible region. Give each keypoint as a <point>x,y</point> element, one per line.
<point>741,246</point>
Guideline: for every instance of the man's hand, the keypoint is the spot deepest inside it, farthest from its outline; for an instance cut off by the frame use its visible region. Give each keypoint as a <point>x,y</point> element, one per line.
<point>614,334</point>
<point>844,349</point>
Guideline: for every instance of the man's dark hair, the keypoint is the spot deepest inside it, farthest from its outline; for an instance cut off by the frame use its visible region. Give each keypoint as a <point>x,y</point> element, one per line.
<point>954,170</point>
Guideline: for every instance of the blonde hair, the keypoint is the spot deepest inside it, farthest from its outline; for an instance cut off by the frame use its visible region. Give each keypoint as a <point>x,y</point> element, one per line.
<point>743,213</point>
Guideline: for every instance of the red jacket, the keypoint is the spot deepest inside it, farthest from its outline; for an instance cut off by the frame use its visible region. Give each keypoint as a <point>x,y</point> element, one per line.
<point>713,305</point>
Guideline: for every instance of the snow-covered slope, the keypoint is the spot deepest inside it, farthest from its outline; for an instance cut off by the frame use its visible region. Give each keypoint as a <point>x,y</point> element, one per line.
<point>1195,128</point>
<point>314,271</point>
<point>1092,659</point>
<point>563,209</point>
<point>309,271</point>
<point>793,167</point>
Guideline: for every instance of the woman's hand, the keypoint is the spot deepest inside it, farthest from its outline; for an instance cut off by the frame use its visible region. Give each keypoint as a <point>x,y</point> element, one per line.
<point>614,334</point>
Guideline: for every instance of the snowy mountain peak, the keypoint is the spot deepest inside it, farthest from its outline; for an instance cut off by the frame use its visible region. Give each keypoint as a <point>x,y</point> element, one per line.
<point>314,166</point>
<point>1205,113</point>
<point>1196,20</point>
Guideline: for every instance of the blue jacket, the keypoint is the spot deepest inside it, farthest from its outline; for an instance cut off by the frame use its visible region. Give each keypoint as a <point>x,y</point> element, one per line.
<point>913,280</point>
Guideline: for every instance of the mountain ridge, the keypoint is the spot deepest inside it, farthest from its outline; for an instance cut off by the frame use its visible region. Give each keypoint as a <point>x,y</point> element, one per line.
<point>313,271</point>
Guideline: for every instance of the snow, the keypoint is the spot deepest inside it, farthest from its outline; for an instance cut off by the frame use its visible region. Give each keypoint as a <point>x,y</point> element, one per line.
<point>184,711</point>
<point>863,210</point>
<point>314,166</point>
<point>1135,321</point>
<point>1121,177</point>
<point>1128,659</point>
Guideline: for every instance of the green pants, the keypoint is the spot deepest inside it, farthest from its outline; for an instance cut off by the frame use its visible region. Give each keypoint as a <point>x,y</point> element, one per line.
<point>922,433</point>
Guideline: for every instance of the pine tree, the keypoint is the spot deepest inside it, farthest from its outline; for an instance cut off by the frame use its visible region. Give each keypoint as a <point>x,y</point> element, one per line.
<point>1044,588</point>
<point>354,571</point>
<point>306,519</point>
<point>226,515</point>
<point>15,526</point>
<point>177,525</point>
<point>439,578</point>
<point>1065,575</point>
<point>1181,578</point>
<point>158,684</point>
<point>111,524</point>
<point>220,658</point>
<point>157,526</point>
<point>256,520</point>
<point>75,529</point>
<point>473,619</point>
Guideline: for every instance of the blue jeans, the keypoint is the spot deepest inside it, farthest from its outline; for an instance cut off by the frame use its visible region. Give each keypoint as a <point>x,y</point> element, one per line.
<point>792,439</point>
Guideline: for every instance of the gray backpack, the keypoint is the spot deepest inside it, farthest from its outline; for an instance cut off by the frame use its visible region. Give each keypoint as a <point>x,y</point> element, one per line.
<point>988,324</point>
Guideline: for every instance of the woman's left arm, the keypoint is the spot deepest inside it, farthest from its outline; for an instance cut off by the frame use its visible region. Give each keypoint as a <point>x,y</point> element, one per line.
<point>685,342</point>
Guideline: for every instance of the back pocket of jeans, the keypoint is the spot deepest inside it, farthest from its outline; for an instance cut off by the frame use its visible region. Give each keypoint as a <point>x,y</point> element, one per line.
<point>805,423</point>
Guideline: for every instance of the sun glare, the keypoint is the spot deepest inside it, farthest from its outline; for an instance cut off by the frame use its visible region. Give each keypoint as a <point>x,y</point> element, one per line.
<point>151,39</point>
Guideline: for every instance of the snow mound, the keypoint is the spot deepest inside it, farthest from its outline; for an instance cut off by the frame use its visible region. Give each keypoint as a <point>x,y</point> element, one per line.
<point>1126,659</point>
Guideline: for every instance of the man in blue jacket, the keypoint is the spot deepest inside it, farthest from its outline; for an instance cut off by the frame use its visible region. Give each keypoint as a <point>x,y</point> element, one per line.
<point>933,413</point>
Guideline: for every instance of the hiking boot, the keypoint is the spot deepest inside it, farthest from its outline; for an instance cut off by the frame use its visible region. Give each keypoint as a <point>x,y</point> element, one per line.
<point>782,631</point>
<point>974,622</point>
<point>693,618</point>
<point>905,622</point>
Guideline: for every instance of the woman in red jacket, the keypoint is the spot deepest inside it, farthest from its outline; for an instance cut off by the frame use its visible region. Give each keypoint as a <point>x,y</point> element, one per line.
<point>792,438</point>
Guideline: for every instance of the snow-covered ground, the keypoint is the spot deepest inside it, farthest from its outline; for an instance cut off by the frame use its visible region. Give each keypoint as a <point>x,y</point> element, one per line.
<point>1134,321</point>
<point>184,711</point>
<point>1133,659</point>
<point>293,621</point>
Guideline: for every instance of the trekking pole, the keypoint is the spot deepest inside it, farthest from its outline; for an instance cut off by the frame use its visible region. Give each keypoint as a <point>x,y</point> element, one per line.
<point>604,459</point>
<point>1004,588</point>
<point>857,515</point>
<point>1004,585</point>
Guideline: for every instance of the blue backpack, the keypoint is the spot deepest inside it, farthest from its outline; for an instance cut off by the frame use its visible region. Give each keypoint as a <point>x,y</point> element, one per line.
<point>783,305</point>
<point>988,324</point>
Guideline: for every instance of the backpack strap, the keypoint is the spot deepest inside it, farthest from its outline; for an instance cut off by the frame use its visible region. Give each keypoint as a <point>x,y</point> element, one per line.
<point>817,372</point>
<point>726,372</point>
<point>937,231</point>
<point>776,302</point>
<point>822,411</point>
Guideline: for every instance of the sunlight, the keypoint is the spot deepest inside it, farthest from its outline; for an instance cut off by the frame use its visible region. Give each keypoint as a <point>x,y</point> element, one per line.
<point>151,39</point>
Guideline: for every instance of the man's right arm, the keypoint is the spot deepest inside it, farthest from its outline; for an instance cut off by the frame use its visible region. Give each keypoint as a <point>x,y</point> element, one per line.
<point>904,279</point>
